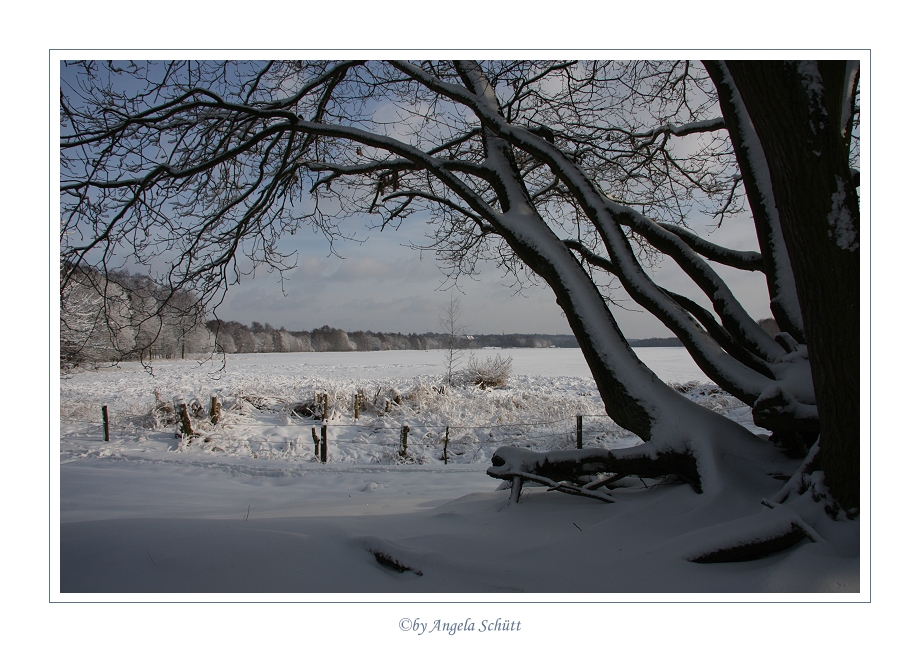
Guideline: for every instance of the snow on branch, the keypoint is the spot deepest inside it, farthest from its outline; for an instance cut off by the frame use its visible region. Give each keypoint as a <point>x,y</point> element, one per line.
<point>741,260</point>
<point>699,127</point>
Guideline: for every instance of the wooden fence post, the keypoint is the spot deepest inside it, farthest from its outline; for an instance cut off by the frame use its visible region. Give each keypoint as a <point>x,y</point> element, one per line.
<point>315,443</point>
<point>405,440</point>
<point>323,445</point>
<point>356,407</point>
<point>446,440</point>
<point>105,422</point>
<point>578,431</point>
<point>185,426</point>
<point>214,413</point>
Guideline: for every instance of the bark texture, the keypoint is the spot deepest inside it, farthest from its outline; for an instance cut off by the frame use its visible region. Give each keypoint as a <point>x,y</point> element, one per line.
<point>797,109</point>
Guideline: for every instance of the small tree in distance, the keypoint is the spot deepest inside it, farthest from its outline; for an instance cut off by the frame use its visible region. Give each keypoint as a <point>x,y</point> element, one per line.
<point>451,315</point>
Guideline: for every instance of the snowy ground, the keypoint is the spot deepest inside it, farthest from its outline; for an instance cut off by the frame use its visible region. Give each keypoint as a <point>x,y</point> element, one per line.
<point>246,507</point>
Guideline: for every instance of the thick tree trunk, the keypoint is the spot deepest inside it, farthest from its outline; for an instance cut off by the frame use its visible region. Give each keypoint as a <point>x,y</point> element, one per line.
<point>784,302</point>
<point>796,109</point>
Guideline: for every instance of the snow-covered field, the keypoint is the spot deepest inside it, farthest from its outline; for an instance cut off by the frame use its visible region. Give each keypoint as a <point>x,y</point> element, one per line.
<point>264,417</point>
<point>246,507</point>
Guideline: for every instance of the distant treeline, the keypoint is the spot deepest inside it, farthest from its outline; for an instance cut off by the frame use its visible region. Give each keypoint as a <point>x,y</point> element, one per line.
<point>122,316</point>
<point>234,337</point>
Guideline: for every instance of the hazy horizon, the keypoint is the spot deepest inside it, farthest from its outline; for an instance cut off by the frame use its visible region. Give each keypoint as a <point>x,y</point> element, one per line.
<point>383,285</point>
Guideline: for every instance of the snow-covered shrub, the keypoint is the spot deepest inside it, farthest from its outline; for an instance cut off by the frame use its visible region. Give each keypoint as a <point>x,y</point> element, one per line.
<point>493,372</point>
<point>708,395</point>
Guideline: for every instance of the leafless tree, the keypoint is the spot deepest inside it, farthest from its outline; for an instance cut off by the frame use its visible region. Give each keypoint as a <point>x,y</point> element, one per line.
<point>581,174</point>
<point>94,320</point>
<point>451,317</point>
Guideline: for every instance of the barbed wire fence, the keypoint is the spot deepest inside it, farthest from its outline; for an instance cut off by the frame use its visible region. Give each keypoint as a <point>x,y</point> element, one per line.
<point>464,437</point>
<point>419,443</point>
<point>335,433</point>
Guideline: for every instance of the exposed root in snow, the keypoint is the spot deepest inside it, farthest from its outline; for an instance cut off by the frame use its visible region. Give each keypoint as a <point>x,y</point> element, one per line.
<point>575,472</point>
<point>732,470</point>
<point>757,549</point>
<point>808,480</point>
<point>389,555</point>
<point>390,562</point>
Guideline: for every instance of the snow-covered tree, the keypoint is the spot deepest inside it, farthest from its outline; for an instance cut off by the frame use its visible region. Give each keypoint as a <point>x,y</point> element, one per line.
<point>581,174</point>
<point>327,338</point>
<point>117,316</point>
<point>225,343</point>
<point>94,320</point>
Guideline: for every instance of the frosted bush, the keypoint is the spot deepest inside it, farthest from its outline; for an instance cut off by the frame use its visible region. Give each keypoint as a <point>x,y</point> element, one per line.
<point>493,372</point>
<point>709,396</point>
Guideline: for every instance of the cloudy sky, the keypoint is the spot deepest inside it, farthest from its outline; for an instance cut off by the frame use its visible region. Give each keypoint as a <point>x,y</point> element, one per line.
<point>383,285</point>
<point>379,283</point>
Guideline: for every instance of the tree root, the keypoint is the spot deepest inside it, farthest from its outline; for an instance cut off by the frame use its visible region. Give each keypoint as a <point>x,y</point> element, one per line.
<point>569,471</point>
<point>574,472</point>
<point>795,444</point>
<point>755,550</point>
<point>388,561</point>
<point>565,487</point>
